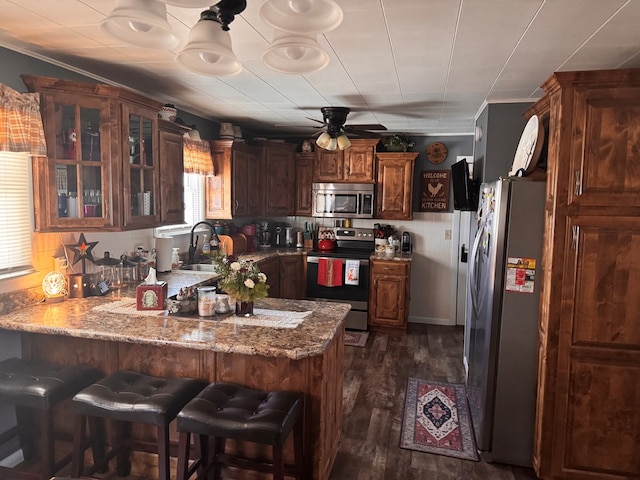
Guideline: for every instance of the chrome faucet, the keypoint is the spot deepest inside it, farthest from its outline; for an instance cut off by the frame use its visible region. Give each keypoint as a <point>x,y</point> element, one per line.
<point>194,245</point>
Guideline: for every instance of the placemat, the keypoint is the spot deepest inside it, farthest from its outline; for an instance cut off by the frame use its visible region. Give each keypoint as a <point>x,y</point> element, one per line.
<point>126,306</point>
<point>270,318</point>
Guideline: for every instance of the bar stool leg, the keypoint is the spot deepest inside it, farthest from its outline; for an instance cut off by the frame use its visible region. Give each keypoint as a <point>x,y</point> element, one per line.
<point>123,438</point>
<point>278,462</point>
<point>77,459</point>
<point>183,455</point>
<point>298,436</point>
<point>163,453</point>
<point>217,448</point>
<point>98,443</point>
<point>46,440</point>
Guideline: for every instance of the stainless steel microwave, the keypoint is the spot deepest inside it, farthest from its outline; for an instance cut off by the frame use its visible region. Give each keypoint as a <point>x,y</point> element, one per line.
<point>343,200</point>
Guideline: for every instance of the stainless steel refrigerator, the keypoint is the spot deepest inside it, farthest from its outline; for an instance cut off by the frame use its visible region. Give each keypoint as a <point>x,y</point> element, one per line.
<point>503,291</point>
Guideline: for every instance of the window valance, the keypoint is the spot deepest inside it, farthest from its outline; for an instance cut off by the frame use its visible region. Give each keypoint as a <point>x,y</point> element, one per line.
<point>197,157</point>
<point>20,122</point>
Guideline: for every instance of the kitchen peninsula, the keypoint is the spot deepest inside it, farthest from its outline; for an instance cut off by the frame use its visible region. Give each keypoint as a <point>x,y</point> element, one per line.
<point>306,358</point>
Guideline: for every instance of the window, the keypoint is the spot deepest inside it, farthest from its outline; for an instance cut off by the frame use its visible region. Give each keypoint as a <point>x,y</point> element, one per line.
<point>15,215</point>
<point>193,198</point>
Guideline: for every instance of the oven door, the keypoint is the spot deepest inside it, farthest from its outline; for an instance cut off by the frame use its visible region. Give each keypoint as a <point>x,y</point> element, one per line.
<point>356,295</point>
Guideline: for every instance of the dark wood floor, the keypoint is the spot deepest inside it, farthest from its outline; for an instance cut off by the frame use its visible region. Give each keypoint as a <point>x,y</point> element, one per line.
<point>374,391</point>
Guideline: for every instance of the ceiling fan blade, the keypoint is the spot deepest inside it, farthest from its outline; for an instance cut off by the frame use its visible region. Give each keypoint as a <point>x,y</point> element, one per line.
<point>315,120</point>
<point>365,126</point>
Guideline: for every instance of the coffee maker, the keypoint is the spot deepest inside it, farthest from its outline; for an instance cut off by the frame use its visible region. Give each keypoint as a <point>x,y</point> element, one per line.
<point>264,235</point>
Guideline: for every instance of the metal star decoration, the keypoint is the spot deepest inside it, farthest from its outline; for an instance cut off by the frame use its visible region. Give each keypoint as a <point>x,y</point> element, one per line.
<point>82,251</point>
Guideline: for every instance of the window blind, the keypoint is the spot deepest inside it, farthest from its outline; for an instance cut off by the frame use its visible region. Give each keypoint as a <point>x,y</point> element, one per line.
<point>15,214</point>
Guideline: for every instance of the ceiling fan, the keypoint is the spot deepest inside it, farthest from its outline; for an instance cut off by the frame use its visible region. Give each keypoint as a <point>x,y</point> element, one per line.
<point>335,119</point>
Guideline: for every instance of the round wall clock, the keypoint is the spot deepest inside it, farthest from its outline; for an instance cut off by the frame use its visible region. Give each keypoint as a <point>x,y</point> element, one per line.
<point>436,152</point>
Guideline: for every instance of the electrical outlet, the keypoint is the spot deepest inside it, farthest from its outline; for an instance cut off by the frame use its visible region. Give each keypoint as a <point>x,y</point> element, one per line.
<point>447,234</point>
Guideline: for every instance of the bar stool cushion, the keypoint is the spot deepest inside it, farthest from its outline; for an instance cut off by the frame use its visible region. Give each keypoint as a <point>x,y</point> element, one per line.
<point>135,397</point>
<point>233,411</point>
<point>38,384</point>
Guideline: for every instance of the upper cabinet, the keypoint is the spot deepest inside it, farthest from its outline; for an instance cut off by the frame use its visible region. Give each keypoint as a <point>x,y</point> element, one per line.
<point>103,165</point>
<point>394,185</point>
<point>250,180</point>
<point>353,165</point>
<point>304,181</point>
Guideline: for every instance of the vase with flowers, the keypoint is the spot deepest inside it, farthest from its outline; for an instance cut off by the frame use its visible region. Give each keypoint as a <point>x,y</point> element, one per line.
<point>242,280</point>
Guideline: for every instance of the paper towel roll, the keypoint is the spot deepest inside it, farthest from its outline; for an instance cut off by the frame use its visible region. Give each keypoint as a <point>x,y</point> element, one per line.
<point>164,246</point>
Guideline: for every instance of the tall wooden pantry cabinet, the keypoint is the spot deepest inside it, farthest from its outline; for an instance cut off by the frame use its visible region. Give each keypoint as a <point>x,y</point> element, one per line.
<point>588,405</point>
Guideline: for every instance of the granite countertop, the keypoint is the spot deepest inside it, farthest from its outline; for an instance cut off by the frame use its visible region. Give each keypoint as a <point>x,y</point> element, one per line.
<point>76,317</point>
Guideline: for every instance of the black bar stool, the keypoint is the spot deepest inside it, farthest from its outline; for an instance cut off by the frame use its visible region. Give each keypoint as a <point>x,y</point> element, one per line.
<point>127,397</point>
<point>222,411</point>
<point>37,386</point>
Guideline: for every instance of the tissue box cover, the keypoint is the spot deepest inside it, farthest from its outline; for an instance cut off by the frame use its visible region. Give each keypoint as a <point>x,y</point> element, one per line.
<point>151,297</point>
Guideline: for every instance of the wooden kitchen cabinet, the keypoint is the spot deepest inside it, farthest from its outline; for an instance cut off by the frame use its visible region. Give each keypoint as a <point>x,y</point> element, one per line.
<point>394,185</point>
<point>304,181</point>
<point>171,158</point>
<point>292,277</point>
<point>587,415</point>
<point>389,295</point>
<point>271,268</point>
<point>103,166</point>
<point>279,178</point>
<point>353,165</point>
<point>233,190</point>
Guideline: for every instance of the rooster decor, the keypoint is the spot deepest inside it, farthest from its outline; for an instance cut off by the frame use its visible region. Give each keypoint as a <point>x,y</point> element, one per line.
<point>434,189</point>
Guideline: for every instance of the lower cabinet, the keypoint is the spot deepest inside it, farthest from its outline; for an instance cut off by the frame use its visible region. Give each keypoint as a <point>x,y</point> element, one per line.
<point>285,276</point>
<point>271,268</point>
<point>292,284</point>
<point>389,295</point>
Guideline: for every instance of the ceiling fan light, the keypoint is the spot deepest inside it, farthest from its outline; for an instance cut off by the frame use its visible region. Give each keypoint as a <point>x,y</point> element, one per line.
<point>323,140</point>
<point>302,16</point>
<point>333,144</point>
<point>343,142</point>
<point>142,23</point>
<point>208,50</point>
<point>295,54</point>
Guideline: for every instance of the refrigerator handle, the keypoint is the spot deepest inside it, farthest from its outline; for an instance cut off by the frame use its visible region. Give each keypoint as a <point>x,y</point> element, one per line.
<point>474,268</point>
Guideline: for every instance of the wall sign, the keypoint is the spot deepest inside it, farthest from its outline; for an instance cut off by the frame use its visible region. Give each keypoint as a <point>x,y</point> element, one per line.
<point>434,190</point>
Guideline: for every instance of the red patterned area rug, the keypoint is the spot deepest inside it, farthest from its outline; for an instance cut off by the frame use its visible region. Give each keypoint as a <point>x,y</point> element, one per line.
<point>436,420</point>
<point>355,339</point>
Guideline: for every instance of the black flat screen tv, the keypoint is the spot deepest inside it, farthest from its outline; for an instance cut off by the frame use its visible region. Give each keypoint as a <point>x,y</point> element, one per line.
<point>465,190</point>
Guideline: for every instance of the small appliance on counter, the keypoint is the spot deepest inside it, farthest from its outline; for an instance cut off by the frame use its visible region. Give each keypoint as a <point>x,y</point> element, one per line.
<point>264,235</point>
<point>405,244</point>
<point>250,231</point>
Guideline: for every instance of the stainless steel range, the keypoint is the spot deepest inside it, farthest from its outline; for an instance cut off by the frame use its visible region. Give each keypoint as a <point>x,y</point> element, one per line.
<point>342,275</point>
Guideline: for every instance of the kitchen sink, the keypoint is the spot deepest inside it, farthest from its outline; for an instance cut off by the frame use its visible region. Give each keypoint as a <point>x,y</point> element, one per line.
<point>199,267</point>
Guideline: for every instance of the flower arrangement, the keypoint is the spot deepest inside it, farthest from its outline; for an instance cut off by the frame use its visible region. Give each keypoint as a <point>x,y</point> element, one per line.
<point>397,143</point>
<point>241,279</point>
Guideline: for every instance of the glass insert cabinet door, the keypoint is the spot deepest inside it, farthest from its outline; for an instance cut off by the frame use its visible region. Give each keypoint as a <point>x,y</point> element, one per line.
<point>141,177</point>
<point>79,161</point>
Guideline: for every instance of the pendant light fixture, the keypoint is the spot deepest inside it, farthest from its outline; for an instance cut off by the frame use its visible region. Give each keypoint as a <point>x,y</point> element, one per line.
<point>208,50</point>
<point>309,17</point>
<point>142,23</point>
<point>295,54</point>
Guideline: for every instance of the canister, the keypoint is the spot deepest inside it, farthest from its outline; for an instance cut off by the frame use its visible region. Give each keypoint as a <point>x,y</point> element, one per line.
<point>206,301</point>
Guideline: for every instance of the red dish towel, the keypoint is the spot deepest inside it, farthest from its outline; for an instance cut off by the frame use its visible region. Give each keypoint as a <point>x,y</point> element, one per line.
<point>330,272</point>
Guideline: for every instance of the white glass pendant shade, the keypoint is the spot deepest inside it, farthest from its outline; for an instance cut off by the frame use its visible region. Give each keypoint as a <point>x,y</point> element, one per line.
<point>333,144</point>
<point>343,142</point>
<point>323,140</point>
<point>302,16</point>
<point>142,23</point>
<point>295,54</point>
<point>189,3</point>
<point>208,51</point>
